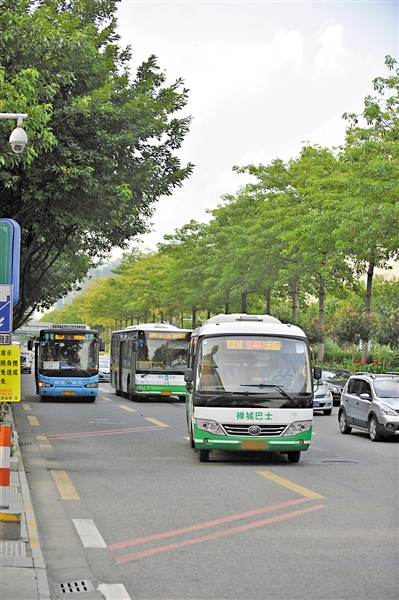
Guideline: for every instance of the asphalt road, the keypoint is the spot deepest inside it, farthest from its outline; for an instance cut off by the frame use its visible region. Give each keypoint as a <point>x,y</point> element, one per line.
<point>122,501</point>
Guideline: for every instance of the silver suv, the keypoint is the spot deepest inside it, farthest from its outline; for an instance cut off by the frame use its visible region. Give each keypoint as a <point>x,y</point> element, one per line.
<point>371,403</point>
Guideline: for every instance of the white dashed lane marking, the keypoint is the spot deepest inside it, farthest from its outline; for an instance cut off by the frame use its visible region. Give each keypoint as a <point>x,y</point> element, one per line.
<point>89,533</point>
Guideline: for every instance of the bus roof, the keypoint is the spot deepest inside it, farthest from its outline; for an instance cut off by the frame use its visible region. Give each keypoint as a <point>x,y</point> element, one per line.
<point>152,327</point>
<point>247,325</point>
<point>68,326</point>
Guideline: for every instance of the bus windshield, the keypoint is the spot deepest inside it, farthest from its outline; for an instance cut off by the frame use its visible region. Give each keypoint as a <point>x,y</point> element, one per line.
<point>244,370</point>
<point>160,351</point>
<point>67,355</point>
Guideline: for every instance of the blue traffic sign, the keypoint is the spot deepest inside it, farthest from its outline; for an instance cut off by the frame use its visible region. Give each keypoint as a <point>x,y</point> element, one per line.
<point>5,309</point>
<point>10,255</point>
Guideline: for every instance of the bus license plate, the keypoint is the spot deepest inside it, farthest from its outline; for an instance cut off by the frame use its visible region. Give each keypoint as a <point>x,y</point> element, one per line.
<point>68,393</point>
<point>166,393</point>
<point>254,445</point>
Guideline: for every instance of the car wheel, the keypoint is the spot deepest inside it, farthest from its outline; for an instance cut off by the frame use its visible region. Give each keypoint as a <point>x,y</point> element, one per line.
<point>294,456</point>
<point>203,455</point>
<point>373,433</point>
<point>343,425</point>
<point>328,411</point>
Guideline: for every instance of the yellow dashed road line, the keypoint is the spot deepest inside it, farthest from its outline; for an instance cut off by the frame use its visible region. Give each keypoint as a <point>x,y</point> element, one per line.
<point>126,408</point>
<point>33,421</point>
<point>26,407</point>
<point>156,422</point>
<point>105,398</point>
<point>290,485</point>
<point>64,485</point>
<point>46,445</point>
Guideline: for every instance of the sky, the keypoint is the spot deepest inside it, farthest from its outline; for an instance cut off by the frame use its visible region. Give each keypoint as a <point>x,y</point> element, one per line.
<point>263,77</point>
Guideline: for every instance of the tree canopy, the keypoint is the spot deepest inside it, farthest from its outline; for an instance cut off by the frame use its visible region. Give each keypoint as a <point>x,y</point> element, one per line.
<point>102,146</point>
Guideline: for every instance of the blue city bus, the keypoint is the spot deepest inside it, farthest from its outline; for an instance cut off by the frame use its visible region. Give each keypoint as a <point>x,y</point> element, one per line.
<point>66,362</point>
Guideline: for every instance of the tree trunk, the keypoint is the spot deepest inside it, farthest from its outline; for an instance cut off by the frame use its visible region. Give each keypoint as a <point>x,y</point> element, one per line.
<point>320,345</point>
<point>244,308</point>
<point>295,302</point>
<point>369,285</point>
<point>181,320</point>
<point>194,321</point>
<point>161,316</point>
<point>268,301</point>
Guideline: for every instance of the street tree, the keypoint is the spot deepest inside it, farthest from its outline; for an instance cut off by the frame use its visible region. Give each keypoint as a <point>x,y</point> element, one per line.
<point>102,145</point>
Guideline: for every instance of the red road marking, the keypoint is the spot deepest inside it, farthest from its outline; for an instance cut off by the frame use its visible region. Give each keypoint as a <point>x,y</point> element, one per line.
<point>217,534</point>
<point>244,515</point>
<point>58,436</point>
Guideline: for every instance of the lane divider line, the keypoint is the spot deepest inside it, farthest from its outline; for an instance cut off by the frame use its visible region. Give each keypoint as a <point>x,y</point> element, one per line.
<point>221,521</point>
<point>106,399</point>
<point>217,534</point>
<point>26,407</point>
<point>126,408</point>
<point>89,533</point>
<point>64,485</point>
<point>156,422</point>
<point>33,421</point>
<point>291,486</point>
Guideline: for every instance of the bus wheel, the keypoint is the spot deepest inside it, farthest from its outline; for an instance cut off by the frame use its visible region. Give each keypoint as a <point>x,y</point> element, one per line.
<point>203,455</point>
<point>192,444</point>
<point>129,394</point>
<point>294,456</point>
<point>118,392</point>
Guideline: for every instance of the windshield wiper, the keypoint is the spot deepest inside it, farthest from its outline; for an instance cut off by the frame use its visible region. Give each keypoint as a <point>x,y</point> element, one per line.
<point>219,396</point>
<point>273,385</point>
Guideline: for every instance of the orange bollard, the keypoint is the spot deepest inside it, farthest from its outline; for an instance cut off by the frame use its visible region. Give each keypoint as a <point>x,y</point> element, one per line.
<point>5,443</point>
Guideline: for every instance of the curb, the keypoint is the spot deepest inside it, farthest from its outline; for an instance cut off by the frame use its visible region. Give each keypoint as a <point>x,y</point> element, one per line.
<point>39,566</point>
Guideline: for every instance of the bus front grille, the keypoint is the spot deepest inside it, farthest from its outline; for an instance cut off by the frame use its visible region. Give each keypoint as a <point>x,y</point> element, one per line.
<point>243,429</point>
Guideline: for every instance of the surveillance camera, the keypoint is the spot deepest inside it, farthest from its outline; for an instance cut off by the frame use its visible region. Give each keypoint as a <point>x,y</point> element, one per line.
<point>18,140</point>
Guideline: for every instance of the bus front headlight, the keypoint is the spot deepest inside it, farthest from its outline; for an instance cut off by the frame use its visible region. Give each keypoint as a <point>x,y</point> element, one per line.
<point>209,426</point>
<point>298,427</point>
<point>91,385</point>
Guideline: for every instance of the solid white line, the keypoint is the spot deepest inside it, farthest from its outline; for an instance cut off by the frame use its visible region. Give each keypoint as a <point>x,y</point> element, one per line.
<point>113,591</point>
<point>89,533</point>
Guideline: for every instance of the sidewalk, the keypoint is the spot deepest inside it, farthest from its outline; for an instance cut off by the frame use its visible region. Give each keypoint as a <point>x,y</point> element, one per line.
<point>23,573</point>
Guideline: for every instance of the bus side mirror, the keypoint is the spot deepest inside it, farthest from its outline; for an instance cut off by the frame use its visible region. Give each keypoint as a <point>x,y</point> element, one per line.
<point>188,375</point>
<point>30,345</point>
<point>317,372</point>
<point>102,346</point>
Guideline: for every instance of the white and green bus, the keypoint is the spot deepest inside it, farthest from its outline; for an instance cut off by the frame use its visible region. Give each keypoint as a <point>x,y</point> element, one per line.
<point>249,386</point>
<point>149,360</point>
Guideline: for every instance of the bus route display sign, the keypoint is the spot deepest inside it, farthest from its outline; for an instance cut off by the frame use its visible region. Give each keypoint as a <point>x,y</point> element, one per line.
<point>10,374</point>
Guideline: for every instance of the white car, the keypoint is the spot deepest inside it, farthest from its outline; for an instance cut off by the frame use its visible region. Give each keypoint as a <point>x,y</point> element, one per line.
<point>103,367</point>
<point>323,398</point>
